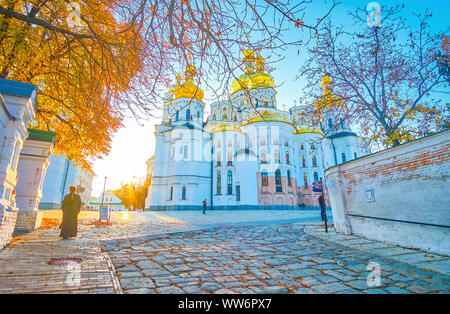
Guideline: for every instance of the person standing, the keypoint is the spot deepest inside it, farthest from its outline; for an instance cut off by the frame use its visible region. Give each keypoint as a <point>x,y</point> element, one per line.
<point>322,207</point>
<point>204,206</point>
<point>71,206</point>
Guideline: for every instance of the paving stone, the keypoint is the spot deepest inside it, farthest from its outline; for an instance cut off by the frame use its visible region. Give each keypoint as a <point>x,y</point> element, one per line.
<point>134,283</point>
<point>211,286</point>
<point>170,290</point>
<point>330,288</point>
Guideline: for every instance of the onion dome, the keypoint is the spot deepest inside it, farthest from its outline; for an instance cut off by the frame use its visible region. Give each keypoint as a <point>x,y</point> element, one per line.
<point>328,99</point>
<point>188,89</point>
<point>251,79</point>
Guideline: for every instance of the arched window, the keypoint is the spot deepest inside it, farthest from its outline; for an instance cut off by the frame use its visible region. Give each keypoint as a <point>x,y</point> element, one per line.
<point>176,116</point>
<point>344,159</point>
<point>219,183</point>
<point>314,161</point>
<point>198,115</point>
<point>303,162</point>
<point>305,180</point>
<point>278,187</point>
<point>219,159</point>
<point>302,147</point>
<point>263,157</point>
<point>277,157</point>
<point>289,177</point>
<point>188,114</point>
<point>230,183</point>
<point>288,162</point>
<point>316,177</point>
<point>262,141</point>
<point>183,193</point>
<point>265,178</point>
<point>229,159</point>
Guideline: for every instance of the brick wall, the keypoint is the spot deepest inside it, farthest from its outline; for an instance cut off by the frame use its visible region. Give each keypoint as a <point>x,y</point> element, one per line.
<point>400,195</point>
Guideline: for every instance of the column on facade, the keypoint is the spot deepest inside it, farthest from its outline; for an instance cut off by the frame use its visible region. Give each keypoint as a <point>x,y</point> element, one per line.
<point>33,164</point>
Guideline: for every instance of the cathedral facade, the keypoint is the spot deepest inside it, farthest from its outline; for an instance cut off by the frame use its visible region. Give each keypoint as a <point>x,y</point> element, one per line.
<point>248,154</point>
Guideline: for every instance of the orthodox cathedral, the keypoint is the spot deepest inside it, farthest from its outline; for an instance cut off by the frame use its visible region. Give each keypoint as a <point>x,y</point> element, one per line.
<point>248,154</point>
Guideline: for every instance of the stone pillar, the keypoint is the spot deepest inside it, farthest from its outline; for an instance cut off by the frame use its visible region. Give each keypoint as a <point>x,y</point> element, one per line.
<point>338,200</point>
<point>33,164</point>
<point>17,110</point>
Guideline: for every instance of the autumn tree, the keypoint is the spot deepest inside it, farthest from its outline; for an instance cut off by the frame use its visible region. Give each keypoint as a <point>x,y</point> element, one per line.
<point>133,194</point>
<point>388,76</point>
<point>96,62</point>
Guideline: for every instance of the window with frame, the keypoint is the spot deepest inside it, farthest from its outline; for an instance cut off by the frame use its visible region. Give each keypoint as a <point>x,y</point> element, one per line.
<point>305,180</point>
<point>230,183</point>
<point>219,160</point>
<point>277,157</point>
<point>171,193</point>
<point>183,193</point>
<point>288,162</point>
<point>314,161</point>
<point>278,187</point>
<point>289,177</point>
<point>264,178</point>
<point>303,162</point>
<point>263,157</point>
<point>238,193</point>
<point>316,177</point>
<point>219,183</point>
<point>344,158</point>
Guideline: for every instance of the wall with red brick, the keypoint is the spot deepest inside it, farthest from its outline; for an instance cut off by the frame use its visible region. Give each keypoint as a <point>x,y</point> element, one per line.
<point>400,195</point>
<point>267,195</point>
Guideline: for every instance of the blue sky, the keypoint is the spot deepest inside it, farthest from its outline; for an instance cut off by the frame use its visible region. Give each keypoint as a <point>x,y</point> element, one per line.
<point>134,144</point>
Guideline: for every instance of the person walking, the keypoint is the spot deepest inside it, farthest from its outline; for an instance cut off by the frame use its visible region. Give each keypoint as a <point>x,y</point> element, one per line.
<point>322,207</point>
<point>204,206</point>
<point>71,206</point>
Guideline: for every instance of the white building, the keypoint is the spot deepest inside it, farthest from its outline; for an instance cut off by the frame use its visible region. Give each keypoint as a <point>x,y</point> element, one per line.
<point>248,154</point>
<point>17,110</point>
<point>110,200</point>
<point>61,174</point>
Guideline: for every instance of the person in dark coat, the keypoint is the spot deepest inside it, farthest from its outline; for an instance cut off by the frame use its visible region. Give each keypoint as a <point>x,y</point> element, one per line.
<point>322,207</point>
<point>71,206</point>
<point>204,206</point>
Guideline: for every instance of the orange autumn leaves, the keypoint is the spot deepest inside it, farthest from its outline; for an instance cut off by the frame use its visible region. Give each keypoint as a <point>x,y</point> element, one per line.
<point>78,78</point>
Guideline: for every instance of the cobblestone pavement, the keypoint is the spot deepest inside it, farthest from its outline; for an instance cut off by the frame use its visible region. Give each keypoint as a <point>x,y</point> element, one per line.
<point>24,263</point>
<point>279,258</point>
<point>221,252</point>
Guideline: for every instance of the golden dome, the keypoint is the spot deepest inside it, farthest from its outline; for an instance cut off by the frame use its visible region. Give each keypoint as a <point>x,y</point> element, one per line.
<point>188,89</point>
<point>328,99</point>
<point>250,79</point>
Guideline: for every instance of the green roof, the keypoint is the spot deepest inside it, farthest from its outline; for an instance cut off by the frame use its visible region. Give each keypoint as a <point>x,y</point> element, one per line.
<point>39,135</point>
